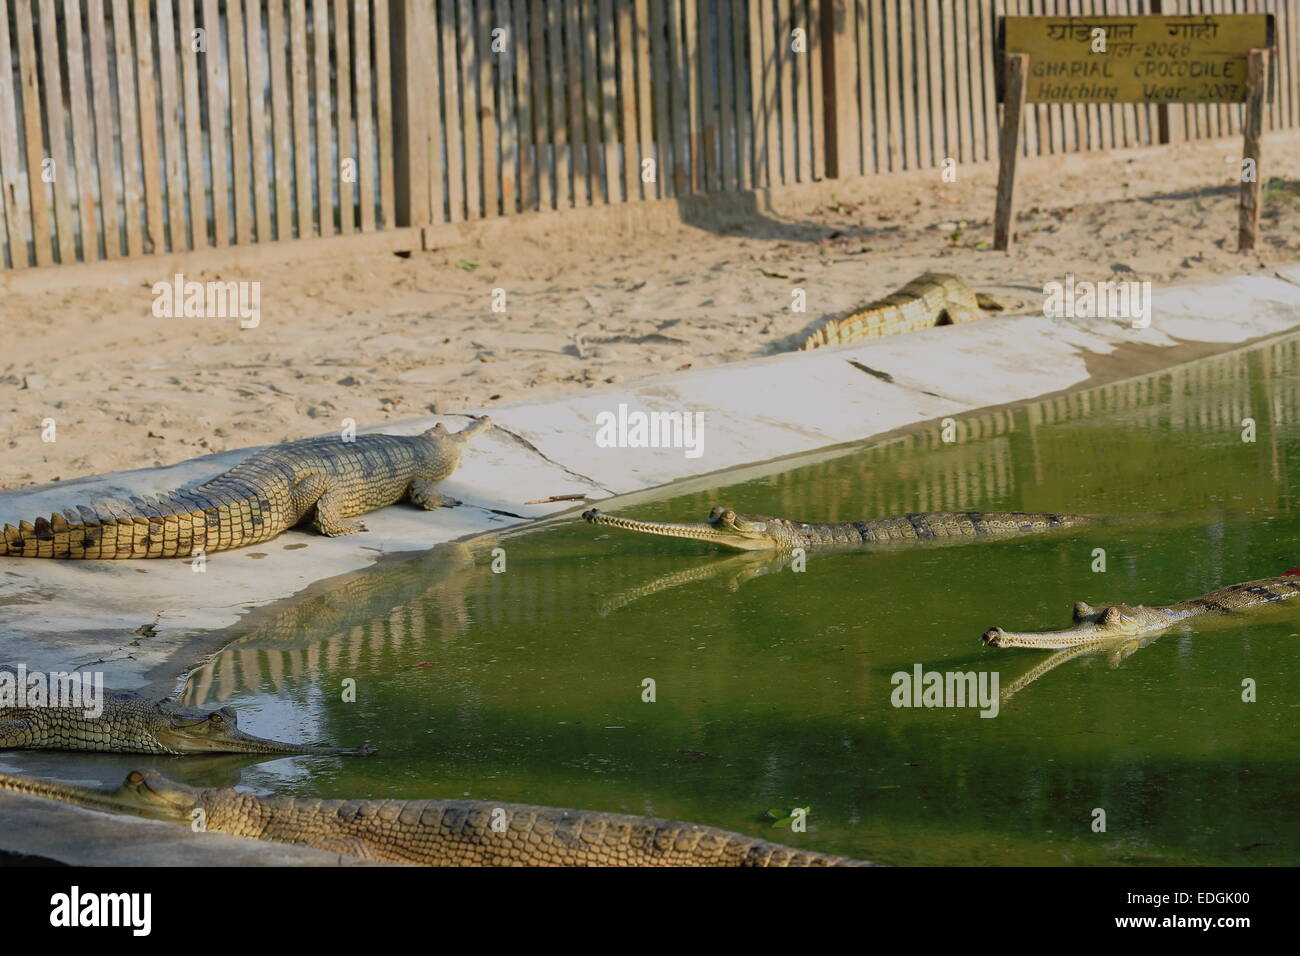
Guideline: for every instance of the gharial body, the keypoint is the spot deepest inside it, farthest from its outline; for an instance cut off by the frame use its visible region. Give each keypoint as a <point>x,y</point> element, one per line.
<point>433,832</point>
<point>928,300</point>
<point>133,723</point>
<point>324,480</point>
<point>761,532</point>
<point>1122,621</point>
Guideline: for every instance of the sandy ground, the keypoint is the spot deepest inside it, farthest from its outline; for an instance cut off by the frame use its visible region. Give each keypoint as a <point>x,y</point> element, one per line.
<point>386,338</point>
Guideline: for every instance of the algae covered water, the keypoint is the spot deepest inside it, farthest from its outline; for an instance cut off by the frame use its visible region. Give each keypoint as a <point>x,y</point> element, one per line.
<point>774,689</point>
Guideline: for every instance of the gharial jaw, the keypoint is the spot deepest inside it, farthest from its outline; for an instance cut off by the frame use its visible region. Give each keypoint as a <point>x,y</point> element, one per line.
<point>1092,625</point>
<point>724,527</point>
<point>144,793</point>
<point>185,731</point>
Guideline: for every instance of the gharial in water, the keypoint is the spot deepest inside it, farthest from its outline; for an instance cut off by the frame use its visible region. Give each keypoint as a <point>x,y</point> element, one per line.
<point>1123,621</point>
<point>433,832</point>
<point>760,532</point>
<point>133,723</point>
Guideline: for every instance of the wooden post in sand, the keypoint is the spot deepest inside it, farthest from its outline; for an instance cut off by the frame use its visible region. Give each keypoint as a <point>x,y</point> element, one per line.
<point>1256,87</point>
<point>1013,106</point>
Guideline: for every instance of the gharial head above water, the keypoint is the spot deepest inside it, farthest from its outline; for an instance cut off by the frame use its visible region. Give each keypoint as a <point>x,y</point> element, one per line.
<point>1090,625</point>
<point>723,526</point>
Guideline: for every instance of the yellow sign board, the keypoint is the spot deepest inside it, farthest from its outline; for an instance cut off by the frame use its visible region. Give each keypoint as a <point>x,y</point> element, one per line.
<point>1137,59</point>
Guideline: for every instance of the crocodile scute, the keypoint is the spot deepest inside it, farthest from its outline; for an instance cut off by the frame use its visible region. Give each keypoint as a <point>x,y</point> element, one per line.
<point>326,481</point>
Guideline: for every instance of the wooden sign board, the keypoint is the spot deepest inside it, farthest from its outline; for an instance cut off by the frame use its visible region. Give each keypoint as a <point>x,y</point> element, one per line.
<point>1203,58</point>
<point>1146,59</point>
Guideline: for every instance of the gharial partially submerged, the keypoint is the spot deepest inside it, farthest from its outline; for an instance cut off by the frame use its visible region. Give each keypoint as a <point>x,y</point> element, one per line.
<point>134,723</point>
<point>763,533</point>
<point>1123,621</point>
<point>432,832</point>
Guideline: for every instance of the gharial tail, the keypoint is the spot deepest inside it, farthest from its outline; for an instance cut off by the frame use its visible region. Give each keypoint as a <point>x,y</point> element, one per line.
<point>160,526</point>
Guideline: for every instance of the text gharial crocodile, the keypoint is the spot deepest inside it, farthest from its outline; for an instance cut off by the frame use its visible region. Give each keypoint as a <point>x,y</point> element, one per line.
<point>133,723</point>
<point>325,480</point>
<point>1121,621</point>
<point>432,832</point>
<point>928,300</point>
<point>760,532</point>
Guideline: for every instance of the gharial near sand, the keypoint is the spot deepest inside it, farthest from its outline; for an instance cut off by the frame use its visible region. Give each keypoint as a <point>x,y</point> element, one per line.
<point>1124,621</point>
<point>133,723</point>
<point>928,300</point>
<point>325,481</point>
<point>761,532</point>
<point>433,832</point>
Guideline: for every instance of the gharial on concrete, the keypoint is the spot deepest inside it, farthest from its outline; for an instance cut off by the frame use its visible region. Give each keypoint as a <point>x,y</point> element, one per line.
<point>1120,621</point>
<point>928,300</point>
<point>133,723</point>
<point>764,533</point>
<point>327,480</point>
<point>433,832</point>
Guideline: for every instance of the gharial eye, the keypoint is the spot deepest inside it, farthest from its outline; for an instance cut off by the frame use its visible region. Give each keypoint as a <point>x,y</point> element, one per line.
<point>729,515</point>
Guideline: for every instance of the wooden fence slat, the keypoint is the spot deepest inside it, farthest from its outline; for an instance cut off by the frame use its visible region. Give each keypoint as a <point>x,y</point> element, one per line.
<point>239,146</point>
<point>894,38</point>
<point>42,234</point>
<point>214,65</point>
<point>785,61</point>
<point>956,114</point>
<point>132,172</point>
<point>663,142</point>
<point>545,123</point>
<point>256,91</point>
<point>988,31</point>
<point>98,130</point>
<point>467,27</point>
<point>487,111</point>
<point>931,100</point>
<point>591,104</point>
<point>609,115</point>
<point>365,111</point>
<point>507,110</point>
<point>172,140</point>
<point>198,206</point>
<point>678,59</point>
<point>57,145</point>
<point>818,107</point>
<point>690,61</point>
<point>800,76</point>
<point>150,160</point>
<point>11,197</point>
<point>565,195</point>
<point>872,88</point>
<point>451,107</point>
<point>383,113</point>
<point>626,33</point>
<point>301,119</point>
<point>281,130</point>
<point>577,126</point>
<point>744,95</point>
<point>704,67</point>
<point>728,132</point>
<point>343,132</point>
<point>771,78</point>
<point>320,41</point>
<point>524,90</point>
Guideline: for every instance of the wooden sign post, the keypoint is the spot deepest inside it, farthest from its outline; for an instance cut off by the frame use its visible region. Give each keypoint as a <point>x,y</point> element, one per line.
<point>1204,58</point>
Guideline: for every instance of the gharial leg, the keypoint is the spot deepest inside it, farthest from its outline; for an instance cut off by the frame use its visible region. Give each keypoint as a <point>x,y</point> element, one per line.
<point>423,494</point>
<point>328,500</point>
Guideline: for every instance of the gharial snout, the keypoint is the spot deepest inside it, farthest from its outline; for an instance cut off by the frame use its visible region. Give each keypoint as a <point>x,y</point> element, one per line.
<point>994,637</point>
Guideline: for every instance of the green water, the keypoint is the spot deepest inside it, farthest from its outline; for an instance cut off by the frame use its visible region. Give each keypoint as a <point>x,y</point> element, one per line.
<point>773,690</point>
